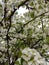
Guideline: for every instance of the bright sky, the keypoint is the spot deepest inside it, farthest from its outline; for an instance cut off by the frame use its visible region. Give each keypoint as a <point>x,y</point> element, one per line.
<point>0,0</point>
<point>22,10</point>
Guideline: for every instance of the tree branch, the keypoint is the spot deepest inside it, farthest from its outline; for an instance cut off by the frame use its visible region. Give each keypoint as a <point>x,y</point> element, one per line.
<point>1,21</point>
<point>7,38</point>
<point>35,18</point>
<point>32,20</point>
<point>43,56</point>
<point>12,13</point>
<point>2,51</point>
<point>37,42</point>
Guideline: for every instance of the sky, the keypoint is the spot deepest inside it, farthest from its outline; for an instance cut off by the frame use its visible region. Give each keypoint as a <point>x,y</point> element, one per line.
<point>22,10</point>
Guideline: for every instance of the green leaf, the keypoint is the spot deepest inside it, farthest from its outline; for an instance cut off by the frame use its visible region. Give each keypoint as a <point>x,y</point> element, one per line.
<point>39,23</point>
<point>17,63</point>
<point>0,5</point>
<point>22,61</point>
<point>32,14</point>
<point>0,55</point>
<point>20,53</point>
<point>40,7</point>
<point>31,58</point>
<point>47,38</point>
<point>31,4</point>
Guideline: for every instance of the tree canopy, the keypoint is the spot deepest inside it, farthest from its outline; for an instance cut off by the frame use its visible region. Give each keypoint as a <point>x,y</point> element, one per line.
<point>24,38</point>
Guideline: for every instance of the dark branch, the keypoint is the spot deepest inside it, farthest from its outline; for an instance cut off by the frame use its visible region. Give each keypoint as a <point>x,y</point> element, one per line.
<point>29,7</point>
<point>12,13</point>
<point>23,3</point>
<point>7,38</point>
<point>35,18</point>
<point>43,56</point>
<point>37,42</point>
<point>1,21</point>
<point>32,20</point>
<point>2,51</point>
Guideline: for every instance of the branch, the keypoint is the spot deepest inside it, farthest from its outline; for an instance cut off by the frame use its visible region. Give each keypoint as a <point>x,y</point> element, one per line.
<point>35,18</point>
<point>23,3</point>
<point>12,13</point>
<point>43,56</point>
<point>1,21</point>
<point>9,17</point>
<point>29,7</point>
<point>2,51</point>
<point>32,20</point>
<point>37,42</point>
<point>17,8</point>
<point>7,38</point>
<point>5,13</point>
